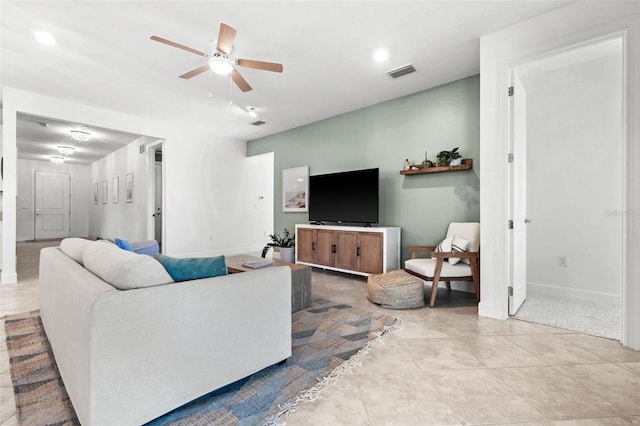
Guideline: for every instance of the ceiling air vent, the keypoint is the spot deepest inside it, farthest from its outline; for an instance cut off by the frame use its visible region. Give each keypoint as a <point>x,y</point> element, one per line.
<point>258,123</point>
<point>399,72</point>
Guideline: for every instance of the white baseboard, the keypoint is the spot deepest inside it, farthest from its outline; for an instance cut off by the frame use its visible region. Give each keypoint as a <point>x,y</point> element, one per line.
<point>573,293</point>
<point>9,278</point>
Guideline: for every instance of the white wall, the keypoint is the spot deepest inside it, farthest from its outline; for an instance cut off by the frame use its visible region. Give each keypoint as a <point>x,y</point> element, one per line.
<point>121,219</point>
<point>207,210</point>
<point>80,191</point>
<point>575,182</point>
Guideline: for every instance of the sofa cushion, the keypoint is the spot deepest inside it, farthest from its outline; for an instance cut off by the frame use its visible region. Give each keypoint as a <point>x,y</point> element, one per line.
<point>193,268</point>
<point>123,244</point>
<point>124,269</point>
<point>73,247</point>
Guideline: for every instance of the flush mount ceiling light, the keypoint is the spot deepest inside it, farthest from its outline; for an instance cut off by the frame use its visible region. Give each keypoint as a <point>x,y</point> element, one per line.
<point>56,159</point>
<point>220,64</point>
<point>66,150</point>
<point>45,38</point>
<point>80,135</point>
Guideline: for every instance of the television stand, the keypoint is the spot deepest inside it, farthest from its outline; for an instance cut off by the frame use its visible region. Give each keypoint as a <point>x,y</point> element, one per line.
<point>357,250</point>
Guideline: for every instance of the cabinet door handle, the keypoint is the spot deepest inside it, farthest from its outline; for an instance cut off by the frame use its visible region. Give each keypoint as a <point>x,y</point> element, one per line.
<point>333,248</point>
<point>313,246</point>
<point>358,251</point>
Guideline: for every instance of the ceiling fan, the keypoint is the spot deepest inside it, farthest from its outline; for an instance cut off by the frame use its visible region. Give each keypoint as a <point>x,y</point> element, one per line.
<point>220,59</point>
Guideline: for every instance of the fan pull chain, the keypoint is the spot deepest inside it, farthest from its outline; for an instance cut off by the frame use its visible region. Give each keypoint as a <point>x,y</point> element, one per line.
<point>230,90</point>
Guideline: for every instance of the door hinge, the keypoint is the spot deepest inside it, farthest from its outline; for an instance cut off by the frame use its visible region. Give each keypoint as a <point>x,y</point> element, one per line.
<point>510,157</point>
<point>510,224</point>
<point>510,91</point>
<point>510,290</point>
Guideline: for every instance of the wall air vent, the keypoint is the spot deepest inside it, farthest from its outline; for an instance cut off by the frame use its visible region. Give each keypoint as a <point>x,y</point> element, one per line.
<point>404,70</point>
<point>258,123</point>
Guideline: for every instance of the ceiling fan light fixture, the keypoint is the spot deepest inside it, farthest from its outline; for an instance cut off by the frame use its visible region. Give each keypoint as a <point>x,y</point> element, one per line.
<point>252,112</point>
<point>56,159</point>
<point>80,135</point>
<point>220,65</point>
<point>66,150</point>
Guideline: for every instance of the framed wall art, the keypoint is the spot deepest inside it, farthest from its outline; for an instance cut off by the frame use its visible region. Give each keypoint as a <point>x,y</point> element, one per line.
<point>129,188</point>
<point>115,190</point>
<point>295,189</point>
<point>105,194</point>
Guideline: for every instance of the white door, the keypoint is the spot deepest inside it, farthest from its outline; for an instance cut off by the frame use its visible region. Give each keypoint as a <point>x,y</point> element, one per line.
<point>518,196</point>
<point>157,212</point>
<point>52,205</point>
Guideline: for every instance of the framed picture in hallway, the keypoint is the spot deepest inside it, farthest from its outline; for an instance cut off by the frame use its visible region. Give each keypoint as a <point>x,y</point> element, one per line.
<point>115,190</point>
<point>295,189</point>
<point>129,188</point>
<point>105,195</point>
<point>95,193</point>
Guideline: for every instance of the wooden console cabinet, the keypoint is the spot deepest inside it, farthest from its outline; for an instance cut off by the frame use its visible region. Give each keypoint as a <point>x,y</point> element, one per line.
<point>351,249</point>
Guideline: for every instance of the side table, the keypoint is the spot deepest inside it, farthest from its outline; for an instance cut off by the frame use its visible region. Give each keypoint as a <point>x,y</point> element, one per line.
<point>300,278</point>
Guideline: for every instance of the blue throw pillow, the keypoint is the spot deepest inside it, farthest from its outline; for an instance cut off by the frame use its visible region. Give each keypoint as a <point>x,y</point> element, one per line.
<point>124,244</point>
<point>192,268</point>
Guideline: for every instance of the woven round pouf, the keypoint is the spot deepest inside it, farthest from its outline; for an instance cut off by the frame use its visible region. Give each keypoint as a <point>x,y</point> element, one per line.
<point>396,290</point>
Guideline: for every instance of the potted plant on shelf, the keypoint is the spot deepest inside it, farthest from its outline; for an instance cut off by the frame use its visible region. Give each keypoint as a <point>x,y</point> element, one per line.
<point>285,243</point>
<point>449,158</point>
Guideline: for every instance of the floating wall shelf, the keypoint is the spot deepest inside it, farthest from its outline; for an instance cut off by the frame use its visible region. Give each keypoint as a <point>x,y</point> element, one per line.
<point>467,164</point>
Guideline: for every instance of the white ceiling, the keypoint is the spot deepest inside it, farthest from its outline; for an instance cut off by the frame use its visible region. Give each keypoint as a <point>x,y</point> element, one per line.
<point>104,56</point>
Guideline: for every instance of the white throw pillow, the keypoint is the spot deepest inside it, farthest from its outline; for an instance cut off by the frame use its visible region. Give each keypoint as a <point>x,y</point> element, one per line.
<point>458,245</point>
<point>444,246</point>
<point>123,269</point>
<point>73,247</point>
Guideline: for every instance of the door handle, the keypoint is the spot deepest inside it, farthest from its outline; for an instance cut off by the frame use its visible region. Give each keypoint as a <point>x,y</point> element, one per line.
<point>527,220</point>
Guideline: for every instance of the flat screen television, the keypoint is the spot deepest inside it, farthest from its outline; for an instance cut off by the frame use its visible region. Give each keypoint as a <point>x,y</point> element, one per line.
<point>345,197</point>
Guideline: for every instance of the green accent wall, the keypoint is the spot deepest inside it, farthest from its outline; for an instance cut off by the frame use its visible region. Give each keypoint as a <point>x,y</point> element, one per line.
<point>383,136</point>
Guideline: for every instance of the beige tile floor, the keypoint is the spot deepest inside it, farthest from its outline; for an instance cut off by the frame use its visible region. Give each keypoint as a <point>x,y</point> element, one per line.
<point>444,366</point>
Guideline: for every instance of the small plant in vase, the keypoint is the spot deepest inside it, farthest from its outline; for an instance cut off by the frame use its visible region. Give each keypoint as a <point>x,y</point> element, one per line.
<point>449,158</point>
<point>285,242</point>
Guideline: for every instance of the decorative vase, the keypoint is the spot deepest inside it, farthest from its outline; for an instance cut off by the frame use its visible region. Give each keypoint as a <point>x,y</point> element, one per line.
<point>456,162</point>
<point>287,254</point>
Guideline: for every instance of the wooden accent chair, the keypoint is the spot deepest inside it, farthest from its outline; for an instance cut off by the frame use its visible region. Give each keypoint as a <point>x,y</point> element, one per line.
<point>438,266</point>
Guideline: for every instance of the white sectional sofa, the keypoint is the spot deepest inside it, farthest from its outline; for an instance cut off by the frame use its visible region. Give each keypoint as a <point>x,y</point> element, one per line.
<point>129,356</point>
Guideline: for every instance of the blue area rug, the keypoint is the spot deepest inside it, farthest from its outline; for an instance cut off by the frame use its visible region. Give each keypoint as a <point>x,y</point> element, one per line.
<point>324,336</point>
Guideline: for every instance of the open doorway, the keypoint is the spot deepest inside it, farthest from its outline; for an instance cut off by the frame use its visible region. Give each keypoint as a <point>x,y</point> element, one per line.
<point>155,192</point>
<point>569,132</point>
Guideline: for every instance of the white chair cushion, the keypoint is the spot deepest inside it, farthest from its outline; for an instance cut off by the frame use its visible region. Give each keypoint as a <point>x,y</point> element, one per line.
<point>427,268</point>
<point>470,231</point>
<point>124,269</point>
<point>73,247</point>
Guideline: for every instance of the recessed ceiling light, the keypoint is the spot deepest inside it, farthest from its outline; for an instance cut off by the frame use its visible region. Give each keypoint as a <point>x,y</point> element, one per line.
<point>45,38</point>
<point>381,55</point>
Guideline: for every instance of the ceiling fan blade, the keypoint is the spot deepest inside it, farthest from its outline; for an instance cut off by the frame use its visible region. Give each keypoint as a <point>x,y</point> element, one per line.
<point>260,65</point>
<point>225,38</point>
<point>240,82</point>
<point>195,72</point>
<point>178,45</point>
